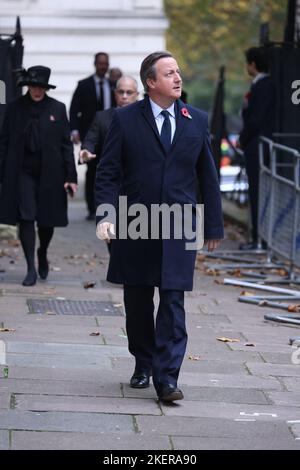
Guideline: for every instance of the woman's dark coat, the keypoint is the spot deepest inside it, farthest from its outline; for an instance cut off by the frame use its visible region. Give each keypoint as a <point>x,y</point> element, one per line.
<point>57,162</point>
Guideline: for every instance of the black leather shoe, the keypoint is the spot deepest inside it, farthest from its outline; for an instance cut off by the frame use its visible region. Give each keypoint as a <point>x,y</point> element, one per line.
<point>30,279</point>
<point>169,393</point>
<point>140,380</point>
<point>43,266</point>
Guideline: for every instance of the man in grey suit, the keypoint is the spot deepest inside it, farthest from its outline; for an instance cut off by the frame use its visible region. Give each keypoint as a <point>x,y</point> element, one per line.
<point>126,92</point>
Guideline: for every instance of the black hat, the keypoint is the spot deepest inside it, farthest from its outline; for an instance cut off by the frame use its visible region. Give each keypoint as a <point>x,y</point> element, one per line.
<point>38,75</point>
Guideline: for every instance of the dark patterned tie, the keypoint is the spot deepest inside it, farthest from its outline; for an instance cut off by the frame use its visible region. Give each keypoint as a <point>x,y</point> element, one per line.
<point>166,133</point>
<point>101,100</point>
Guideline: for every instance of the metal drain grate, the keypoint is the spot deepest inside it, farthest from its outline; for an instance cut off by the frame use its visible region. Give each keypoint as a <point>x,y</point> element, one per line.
<point>73,307</point>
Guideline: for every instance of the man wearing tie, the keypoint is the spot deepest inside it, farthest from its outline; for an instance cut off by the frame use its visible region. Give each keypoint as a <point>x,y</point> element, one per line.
<point>95,93</point>
<point>157,151</point>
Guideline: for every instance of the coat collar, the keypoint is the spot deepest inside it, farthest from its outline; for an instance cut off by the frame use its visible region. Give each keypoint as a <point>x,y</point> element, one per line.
<point>181,121</point>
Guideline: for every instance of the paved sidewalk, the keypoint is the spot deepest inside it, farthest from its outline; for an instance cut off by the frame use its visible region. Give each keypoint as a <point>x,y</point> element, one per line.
<point>68,389</point>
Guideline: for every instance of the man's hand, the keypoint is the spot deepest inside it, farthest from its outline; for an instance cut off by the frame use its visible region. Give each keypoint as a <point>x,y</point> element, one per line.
<point>71,188</point>
<point>85,156</point>
<point>212,244</point>
<point>104,231</point>
<point>75,137</point>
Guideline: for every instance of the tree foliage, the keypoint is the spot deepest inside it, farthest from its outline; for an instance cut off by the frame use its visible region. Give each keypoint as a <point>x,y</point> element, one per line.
<point>205,34</point>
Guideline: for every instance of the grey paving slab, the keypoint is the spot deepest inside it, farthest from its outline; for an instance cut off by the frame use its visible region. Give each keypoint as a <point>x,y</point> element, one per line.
<point>28,440</point>
<point>228,395</point>
<point>262,347</point>
<point>4,399</point>
<point>24,321</point>
<point>218,367</point>
<point>207,319</point>
<point>232,411</point>
<point>148,393</point>
<point>77,404</point>
<point>277,358</point>
<point>75,361</point>
<point>281,370</point>
<point>4,440</point>
<point>97,375</point>
<point>60,355</point>
<point>117,339</point>
<point>231,357</point>
<point>295,428</point>
<point>66,349</point>
<point>212,427</point>
<point>70,335</point>
<point>291,383</point>
<point>232,381</point>
<point>68,422</point>
<point>274,337</point>
<point>60,387</point>
<point>284,398</point>
<point>209,394</point>
<point>253,443</point>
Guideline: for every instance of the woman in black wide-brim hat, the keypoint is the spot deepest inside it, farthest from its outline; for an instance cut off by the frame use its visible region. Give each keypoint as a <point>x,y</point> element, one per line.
<point>37,168</point>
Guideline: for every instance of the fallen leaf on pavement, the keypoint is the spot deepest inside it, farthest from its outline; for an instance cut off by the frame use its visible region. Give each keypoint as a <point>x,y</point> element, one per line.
<point>280,271</point>
<point>293,308</point>
<point>212,272</point>
<point>249,344</point>
<point>236,273</point>
<point>3,330</point>
<point>13,242</point>
<point>228,340</point>
<point>89,285</point>
<point>246,293</point>
<point>194,358</point>
<point>95,333</point>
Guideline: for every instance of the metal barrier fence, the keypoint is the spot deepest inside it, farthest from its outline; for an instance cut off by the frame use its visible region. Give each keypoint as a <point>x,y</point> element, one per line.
<point>279,201</point>
<point>279,227</point>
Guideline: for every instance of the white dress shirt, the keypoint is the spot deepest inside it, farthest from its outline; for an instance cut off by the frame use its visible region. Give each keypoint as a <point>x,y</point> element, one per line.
<point>159,119</point>
<point>258,77</point>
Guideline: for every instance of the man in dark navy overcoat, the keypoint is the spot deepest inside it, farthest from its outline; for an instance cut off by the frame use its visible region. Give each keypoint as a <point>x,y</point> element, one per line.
<point>157,151</point>
<point>258,115</point>
<point>92,94</point>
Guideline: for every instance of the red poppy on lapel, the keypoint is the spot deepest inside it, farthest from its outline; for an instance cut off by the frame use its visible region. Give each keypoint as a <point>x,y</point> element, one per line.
<point>185,113</point>
<point>246,98</point>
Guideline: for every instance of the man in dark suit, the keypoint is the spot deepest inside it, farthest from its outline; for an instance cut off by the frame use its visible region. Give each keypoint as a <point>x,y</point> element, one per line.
<point>157,151</point>
<point>92,94</point>
<point>258,120</point>
<point>126,92</point>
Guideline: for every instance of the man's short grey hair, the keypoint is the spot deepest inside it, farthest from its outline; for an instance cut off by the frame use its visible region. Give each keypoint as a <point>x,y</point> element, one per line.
<point>127,77</point>
<point>148,69</point>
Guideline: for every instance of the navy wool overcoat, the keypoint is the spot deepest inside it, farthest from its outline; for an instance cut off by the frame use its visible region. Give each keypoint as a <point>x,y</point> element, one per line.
<point>134,163</point>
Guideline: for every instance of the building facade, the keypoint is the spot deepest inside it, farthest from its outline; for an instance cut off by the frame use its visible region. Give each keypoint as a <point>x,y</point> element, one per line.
<point>65,35</point>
